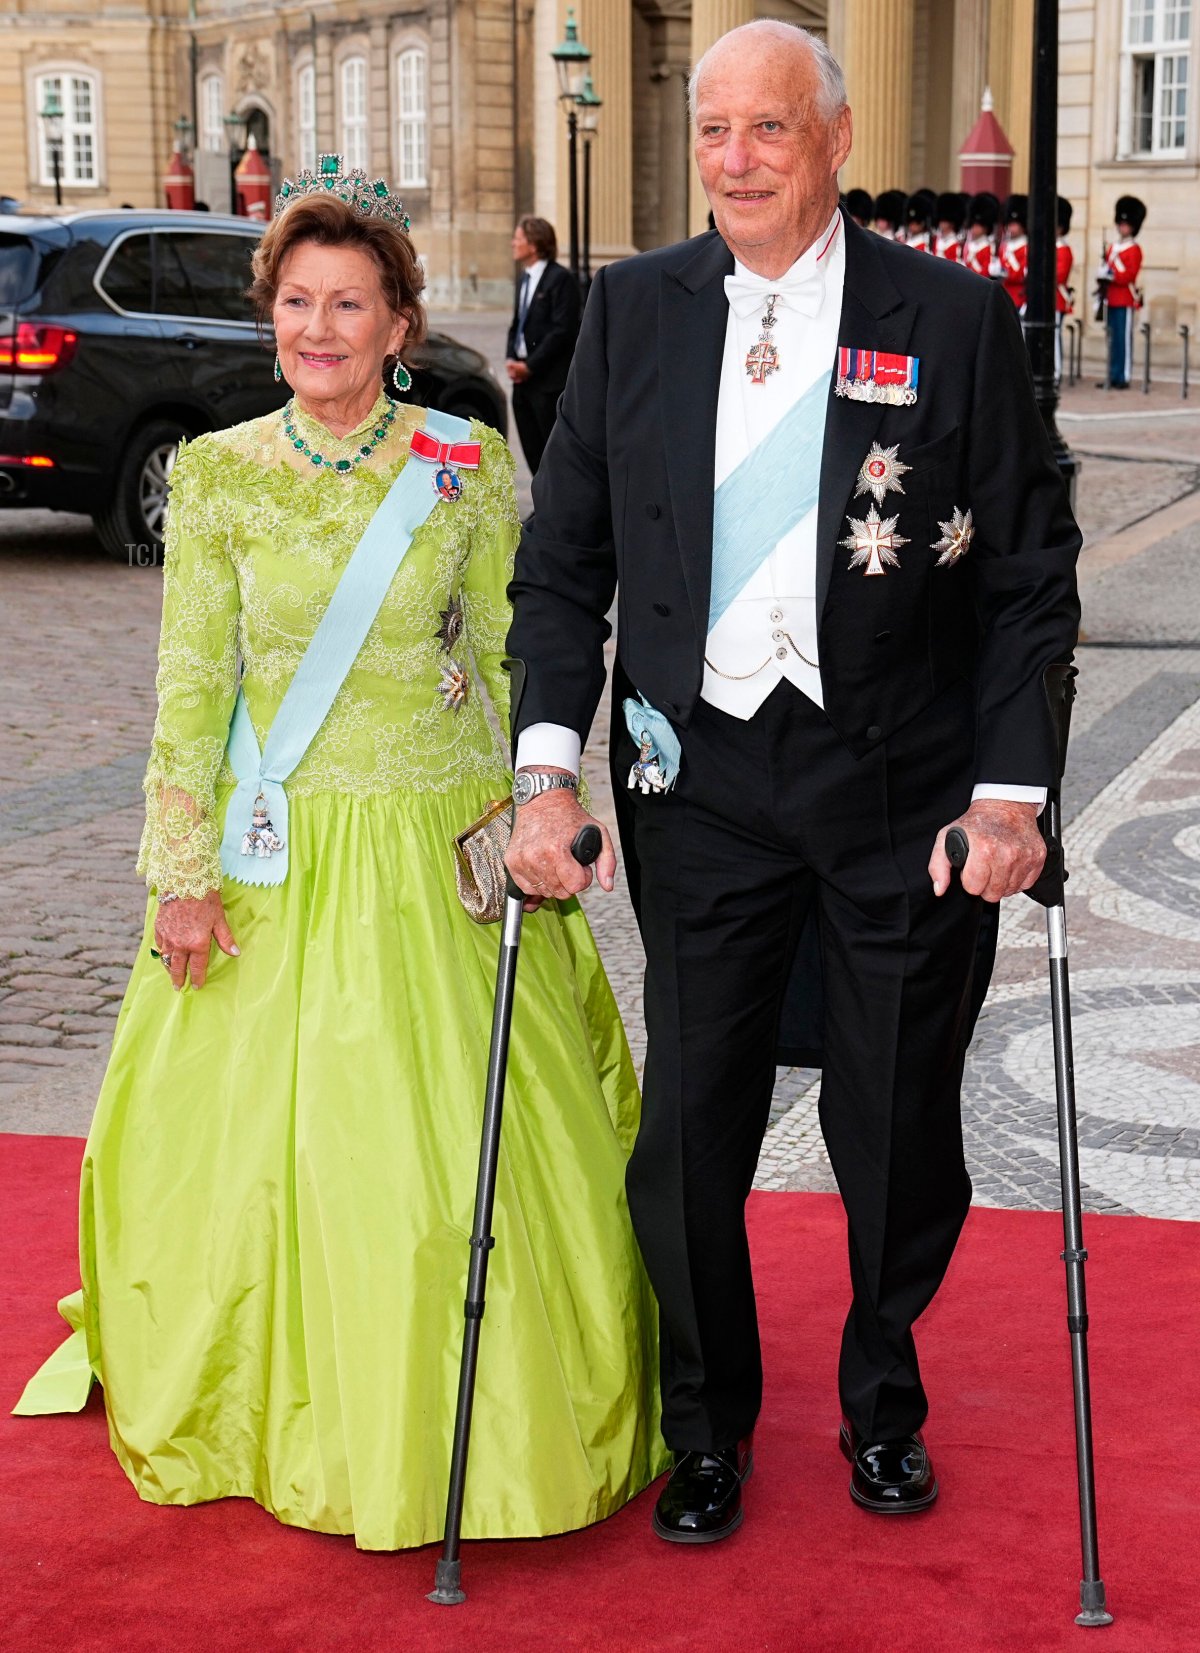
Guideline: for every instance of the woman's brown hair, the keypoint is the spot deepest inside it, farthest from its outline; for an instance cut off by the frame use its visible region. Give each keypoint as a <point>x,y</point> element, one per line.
<point>325,221</point>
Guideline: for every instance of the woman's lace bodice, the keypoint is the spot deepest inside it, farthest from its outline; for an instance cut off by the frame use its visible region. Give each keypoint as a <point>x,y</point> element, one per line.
<point>257,538</point>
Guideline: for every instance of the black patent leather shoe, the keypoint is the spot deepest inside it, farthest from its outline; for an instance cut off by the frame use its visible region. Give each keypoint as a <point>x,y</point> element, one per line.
<point>889,1477</point>
<point>702,1500</point>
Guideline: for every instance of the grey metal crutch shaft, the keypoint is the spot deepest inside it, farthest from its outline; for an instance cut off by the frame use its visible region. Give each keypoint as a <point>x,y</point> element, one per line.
<point>1048,892</point>
<point>448,1591</point>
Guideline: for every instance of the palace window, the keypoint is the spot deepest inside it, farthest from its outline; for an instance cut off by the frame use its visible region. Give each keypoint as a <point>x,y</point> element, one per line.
<point>77,97</point>
<point>212,114</point>
<point>413,131</point>
<point>354,112</point>
<point>306,115</point>
<point>1155,72</point>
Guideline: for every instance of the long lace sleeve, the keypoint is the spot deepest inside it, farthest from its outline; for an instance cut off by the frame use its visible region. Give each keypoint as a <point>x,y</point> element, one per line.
<point>197,682</point>
<point>495,529</point>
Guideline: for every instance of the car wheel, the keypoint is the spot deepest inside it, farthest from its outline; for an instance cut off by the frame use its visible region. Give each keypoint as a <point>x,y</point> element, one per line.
<point>131,528</point>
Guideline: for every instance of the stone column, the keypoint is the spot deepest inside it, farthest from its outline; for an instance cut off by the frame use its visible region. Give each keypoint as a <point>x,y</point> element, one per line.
<point>1020,89</point>
<point>877,56</point>
<point>605,27</point>
<point>969,76</point>
<point>710,20</point>
<point>380,131</point>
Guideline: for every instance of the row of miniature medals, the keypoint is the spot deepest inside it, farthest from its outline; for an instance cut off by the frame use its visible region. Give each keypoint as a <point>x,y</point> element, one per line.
<point>870,376</point>
<point>262,840</point>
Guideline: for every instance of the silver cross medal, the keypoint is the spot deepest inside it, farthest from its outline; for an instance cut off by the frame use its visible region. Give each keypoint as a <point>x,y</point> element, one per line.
<point>763,358</point>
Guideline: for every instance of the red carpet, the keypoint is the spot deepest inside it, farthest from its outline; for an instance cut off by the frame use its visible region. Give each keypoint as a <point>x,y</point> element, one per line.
<point>84,1564</point>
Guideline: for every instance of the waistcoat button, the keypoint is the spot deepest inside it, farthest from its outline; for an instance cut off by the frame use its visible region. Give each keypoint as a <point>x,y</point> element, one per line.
<point>873,731</point>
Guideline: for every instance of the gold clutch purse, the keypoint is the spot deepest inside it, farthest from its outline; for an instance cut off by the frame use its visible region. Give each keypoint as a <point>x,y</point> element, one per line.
<point>479,870</point>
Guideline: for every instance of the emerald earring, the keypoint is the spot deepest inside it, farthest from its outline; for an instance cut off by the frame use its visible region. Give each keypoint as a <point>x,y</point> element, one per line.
<point>278,369</point>
<point>401,377</point>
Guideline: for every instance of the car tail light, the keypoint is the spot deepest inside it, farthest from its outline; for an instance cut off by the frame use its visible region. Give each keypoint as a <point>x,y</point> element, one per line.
<point>39,461</point>
<point>37,348</point>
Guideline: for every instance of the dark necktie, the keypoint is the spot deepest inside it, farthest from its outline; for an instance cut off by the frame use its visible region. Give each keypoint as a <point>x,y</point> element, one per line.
<point>522,308</point>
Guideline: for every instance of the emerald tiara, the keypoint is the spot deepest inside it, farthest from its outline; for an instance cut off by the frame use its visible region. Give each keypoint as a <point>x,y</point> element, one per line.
<point>370,197</point>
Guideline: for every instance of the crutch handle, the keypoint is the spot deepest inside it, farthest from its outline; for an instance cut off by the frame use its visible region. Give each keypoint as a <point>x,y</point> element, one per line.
<point>958,847</point>
<point>587,844</point>
<point>585,847</point>
<point>1048,890</point>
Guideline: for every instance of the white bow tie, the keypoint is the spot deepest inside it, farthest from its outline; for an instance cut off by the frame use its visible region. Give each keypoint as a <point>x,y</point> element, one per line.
<point>749,293</point>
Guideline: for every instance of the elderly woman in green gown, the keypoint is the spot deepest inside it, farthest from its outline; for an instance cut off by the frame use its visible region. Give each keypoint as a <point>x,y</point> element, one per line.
<point>277,1188</point>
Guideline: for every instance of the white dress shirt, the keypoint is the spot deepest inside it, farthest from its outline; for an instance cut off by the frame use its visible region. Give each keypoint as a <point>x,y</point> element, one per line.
<point>534,273</point>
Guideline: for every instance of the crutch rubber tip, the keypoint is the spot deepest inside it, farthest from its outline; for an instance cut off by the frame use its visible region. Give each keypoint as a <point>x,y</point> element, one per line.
<point>447,1591</point>
<point>1094,1614</point>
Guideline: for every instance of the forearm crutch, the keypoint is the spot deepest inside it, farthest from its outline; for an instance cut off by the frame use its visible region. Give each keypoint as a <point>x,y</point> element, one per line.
<point>448,1591</point>
<point>1048,892</point>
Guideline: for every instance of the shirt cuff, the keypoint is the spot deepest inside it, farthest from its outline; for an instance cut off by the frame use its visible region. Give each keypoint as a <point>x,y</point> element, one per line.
<point>548,746</point>
<point>1011,794</point>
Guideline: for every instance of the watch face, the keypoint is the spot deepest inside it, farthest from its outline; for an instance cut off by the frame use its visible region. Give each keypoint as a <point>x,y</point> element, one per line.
<point>522,788</point>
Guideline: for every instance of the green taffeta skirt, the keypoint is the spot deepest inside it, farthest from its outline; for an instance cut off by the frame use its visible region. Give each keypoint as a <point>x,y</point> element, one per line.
<point>278,1191</point>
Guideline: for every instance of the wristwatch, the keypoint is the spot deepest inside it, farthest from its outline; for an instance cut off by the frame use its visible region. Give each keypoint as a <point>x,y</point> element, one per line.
<point>530,783</point>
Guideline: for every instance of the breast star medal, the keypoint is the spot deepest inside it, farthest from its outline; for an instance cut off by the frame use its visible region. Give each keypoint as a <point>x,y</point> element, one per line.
<point>957,535</point>
<point>880,471</point>
<point>451,628</point>
<point>763,358</point>
<point>874,542</point>
<point>454,686</point>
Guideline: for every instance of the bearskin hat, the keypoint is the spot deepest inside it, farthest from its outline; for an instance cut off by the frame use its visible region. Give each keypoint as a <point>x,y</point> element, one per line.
<point>890,207</point>
<point>984,210</point>
<point>920,208</point>
<point>1016,210</point>
<point>951,209</point>
<point>860,205</point>
<point>1131,211</point>
<point>1064,215</point>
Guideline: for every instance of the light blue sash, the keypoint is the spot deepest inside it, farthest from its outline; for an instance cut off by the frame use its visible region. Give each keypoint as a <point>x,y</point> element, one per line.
<point>331,653</point>
<point>773,488</point>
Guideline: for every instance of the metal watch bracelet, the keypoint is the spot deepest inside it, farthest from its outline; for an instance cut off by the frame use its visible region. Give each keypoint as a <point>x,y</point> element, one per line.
<point>529,784</point>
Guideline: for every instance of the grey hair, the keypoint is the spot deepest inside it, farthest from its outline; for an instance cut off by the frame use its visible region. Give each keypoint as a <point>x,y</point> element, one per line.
<point>830,79</point>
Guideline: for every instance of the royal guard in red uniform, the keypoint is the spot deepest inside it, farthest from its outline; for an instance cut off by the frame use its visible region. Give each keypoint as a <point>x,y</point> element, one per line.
<point>1119,292</point>
<point>951,215</point>
<point>1063,259</point>
<point>860,206</point>
<point>979,249</point>
<point>918,220</point>
<point>1014,251</point>
<point>889,214</point>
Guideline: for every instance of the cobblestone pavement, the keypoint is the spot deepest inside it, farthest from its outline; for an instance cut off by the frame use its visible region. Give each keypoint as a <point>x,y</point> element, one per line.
<point>77,639</point>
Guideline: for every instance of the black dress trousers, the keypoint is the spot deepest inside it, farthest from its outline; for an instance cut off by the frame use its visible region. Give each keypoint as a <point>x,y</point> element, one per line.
<point>770,816</point>
<point>535,411</point>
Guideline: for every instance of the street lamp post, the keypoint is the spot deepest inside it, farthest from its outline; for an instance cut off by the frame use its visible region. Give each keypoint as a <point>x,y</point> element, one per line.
<point>52,118</point>
<point>589,111</point>
<point>235,132</point>
<point>571,57</point>
<point>1040,319</point>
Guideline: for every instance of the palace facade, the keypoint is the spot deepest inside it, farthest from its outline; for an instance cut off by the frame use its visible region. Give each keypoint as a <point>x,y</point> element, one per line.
<point>455,101</point>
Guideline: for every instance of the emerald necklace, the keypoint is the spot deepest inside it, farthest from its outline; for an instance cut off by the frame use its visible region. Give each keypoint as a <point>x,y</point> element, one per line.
<point>343,466</point>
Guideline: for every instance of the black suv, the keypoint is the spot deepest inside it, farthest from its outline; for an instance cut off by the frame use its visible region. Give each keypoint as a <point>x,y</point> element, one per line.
<point>122,331</point>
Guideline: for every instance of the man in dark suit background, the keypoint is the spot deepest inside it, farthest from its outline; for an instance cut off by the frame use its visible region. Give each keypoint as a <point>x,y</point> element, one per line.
<point>811,462</point>
<point>541,339</point>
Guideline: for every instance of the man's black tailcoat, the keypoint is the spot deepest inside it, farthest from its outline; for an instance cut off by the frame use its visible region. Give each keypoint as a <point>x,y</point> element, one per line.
<point>932,681</point>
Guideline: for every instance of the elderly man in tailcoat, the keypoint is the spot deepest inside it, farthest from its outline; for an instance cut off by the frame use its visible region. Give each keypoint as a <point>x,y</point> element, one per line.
<point>809,464</point>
